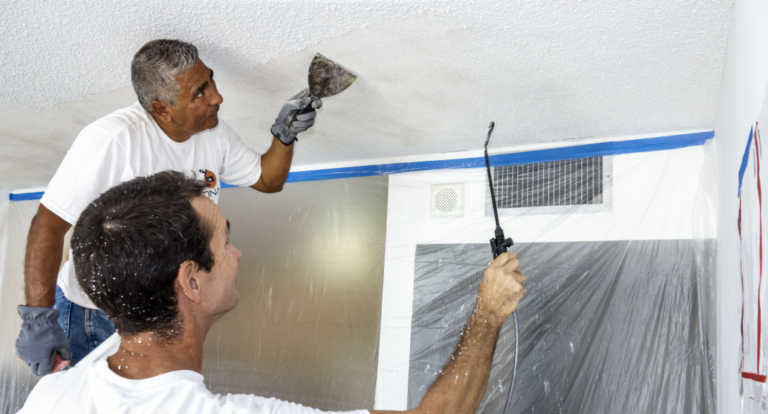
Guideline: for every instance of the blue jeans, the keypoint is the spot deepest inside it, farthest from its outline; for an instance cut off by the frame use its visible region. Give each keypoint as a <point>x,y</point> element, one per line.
<point>85,328</point>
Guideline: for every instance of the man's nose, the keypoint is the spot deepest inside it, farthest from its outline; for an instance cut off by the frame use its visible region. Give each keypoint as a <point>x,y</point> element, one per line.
<point>236,253</point>
<point>216,98</point>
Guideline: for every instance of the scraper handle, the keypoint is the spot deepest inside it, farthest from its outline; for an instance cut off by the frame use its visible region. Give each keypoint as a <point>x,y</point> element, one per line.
<point>316,103</point>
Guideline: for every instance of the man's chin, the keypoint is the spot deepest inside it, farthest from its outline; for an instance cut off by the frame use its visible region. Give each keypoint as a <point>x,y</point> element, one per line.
<point>225,309</point>
<point>214,121</point>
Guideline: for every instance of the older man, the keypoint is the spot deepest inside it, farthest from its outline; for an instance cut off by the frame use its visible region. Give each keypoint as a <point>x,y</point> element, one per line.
<point>173,126</point>
<point>154,254</point>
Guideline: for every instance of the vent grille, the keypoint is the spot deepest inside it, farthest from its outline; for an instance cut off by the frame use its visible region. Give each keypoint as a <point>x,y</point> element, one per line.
<point>555,183</point>
<point>446,200</point>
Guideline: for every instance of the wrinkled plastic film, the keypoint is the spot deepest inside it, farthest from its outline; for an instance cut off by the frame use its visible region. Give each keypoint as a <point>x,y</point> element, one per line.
<point>604,327</point>
<point>619,254</point>
<point>16,381</point>
<point>357,289</point>
<point>306,328</point>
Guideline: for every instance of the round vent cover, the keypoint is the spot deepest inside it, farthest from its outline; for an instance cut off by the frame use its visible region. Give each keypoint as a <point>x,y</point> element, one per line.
<point>446,200</point>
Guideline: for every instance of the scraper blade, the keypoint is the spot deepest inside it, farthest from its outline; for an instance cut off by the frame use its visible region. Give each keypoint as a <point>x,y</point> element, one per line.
<point>327,78</point>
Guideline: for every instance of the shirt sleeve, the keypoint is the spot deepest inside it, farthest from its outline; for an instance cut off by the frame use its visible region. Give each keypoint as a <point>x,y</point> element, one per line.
<point>238,402</point>
<point>242,165</point>
<point>93,164</point>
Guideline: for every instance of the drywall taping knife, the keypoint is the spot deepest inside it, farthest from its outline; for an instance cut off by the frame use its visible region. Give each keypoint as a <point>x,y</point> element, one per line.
<point>499,245</point>
<point>325,78</point>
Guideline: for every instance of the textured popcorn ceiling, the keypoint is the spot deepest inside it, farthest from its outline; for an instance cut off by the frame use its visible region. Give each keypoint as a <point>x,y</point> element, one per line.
<point>431,74</point>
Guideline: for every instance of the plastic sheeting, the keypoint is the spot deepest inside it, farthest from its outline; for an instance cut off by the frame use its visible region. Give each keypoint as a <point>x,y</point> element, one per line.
<point>752,237</point>
<point>15,379</point>
<point>620,308</point>
<point>357,288</point>
<point>307,326</point>
<point>614,326</point>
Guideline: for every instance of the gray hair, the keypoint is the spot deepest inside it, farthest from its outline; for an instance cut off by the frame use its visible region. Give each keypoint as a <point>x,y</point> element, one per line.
<point>154,69</point>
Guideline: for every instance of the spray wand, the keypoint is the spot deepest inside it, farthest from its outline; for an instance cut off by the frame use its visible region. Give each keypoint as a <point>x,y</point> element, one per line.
<point>499,245</point>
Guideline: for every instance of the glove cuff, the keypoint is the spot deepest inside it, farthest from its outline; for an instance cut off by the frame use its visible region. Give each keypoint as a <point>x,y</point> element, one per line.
<point>282,136</point>
<point>38,314</point>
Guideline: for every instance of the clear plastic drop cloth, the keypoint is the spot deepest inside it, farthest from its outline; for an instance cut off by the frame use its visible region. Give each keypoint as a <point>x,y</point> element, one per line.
<point>619,254</point>
<point>353,291</point>
<point>605,327</point>
<point>16,381</point>
<point>306,328</point>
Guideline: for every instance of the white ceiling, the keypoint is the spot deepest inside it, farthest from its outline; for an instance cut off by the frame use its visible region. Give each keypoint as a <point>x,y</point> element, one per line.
<point>431,73</point>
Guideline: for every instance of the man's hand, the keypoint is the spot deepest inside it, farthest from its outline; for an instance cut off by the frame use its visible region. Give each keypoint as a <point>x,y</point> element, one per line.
<point>41,339</point>
<point>502,287</point>
<point>500,292</point>
<point>297,115</point>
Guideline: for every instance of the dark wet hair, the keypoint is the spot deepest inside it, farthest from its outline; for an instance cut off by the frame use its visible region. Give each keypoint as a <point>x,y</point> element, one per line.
<point>128,246</point>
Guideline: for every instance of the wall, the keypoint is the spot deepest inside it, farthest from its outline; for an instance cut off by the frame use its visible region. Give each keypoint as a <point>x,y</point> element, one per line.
<point>742,93</point>
<point>664,195</point>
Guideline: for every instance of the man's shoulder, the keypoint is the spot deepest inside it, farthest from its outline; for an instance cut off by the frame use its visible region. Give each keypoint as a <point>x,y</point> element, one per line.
<point>247,403</point>
<point>54,387</point>
<point>121,121</point>
<point>69,376</point>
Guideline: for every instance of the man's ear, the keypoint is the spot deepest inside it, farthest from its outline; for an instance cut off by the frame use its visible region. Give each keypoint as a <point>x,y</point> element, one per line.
<point>189,281</point>
<point>161,110</point>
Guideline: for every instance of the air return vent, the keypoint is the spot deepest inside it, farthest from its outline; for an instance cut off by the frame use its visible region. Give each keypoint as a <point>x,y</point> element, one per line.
<point>447,200</point>
<point>581,182</point>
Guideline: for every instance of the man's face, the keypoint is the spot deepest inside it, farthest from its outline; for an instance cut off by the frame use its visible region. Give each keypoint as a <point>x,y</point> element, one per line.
<point>198,102</point>
<point>219,285</point>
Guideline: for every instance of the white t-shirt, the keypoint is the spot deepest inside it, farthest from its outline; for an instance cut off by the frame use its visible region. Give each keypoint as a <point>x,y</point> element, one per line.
<point>93,388</point>
<point>127,144</point>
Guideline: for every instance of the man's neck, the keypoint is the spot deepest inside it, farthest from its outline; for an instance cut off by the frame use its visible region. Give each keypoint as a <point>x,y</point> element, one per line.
<point>172,132</point>
<point>147,355</point>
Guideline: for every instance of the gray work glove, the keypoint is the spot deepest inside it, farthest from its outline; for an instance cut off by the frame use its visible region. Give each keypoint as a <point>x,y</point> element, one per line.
<point>297,115</point>
<point>40,339</point>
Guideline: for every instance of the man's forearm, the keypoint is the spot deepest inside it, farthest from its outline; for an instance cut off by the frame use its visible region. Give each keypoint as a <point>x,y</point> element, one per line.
<point>45,244</point>
<point>275,166</point>
<point>461,385</point>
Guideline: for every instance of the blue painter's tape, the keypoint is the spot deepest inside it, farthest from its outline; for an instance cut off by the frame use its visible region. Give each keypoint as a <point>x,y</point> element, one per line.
<point>39,195</point>
<point>745,160</point>
<point>383,169</point>
<point>26,196</point>
<point>554,154</point>
<point>603,149</point>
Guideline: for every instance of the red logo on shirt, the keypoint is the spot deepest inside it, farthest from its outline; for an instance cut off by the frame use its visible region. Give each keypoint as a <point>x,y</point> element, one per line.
<point>210,178</point>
